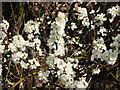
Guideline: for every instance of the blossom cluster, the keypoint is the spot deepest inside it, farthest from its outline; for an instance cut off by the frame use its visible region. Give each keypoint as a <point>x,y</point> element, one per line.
<point>56,40</point>
<point>18,46</point>
<point>65,72</point>
<point>114,11</point>
<point>100,51</point>
<point>82,15</point>
<point>100,18</point>
<point>4,25</point>
<point>66,52</point>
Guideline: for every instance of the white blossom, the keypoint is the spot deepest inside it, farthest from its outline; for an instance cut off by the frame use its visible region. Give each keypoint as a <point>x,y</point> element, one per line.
<point>83,15</point>
<point>99,19</point>
<point>43,76</point>
<point>24,65</point>
<point>81,83</point>
<point>96,71</point>
<point>19,41</point>
<point>102,31</point>
<point>12,47</point>
<point>56,41</point>
<point>33,63</point>
<point>4,25</point>
<point>2,48</point>
<point>114,11</point>
<point>0,69</point>
<point>17,56</point>
<point>32,26</point>
<point>73,26</point>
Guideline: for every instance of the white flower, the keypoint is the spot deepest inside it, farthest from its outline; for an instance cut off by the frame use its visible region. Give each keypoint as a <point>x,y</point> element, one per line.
<point>4,25</point>
<point>69,69</point>
<point>61,15</point>
<point>99,44</point>
<point>60,22</point>
<point>96,53</point>
<point>61,33</point>
<point>82,13</point>
<point>37,41</point>
<point>70,59</point>
<point>30,36</point>
<point>114,11</point>
<point>2,48</point>
<point>73,26</point>
<point>104,56</point>
<point>53,33</point>
<point>17,56</point>
<point>31,61</point>
<point>43,75</point>
<point>59,72</point>
<point>116,42</point>
<point>50,61</point>
<point>24,65</point>
<point>31,26</point>
<point>101,18</point>
<point>34,63</point>
<point>81,83</point>
<point>80,31</point>
<point>19,41</point>
<point>1,41</point>
<point>51,41</point>
<point>85,22</point>
<point>96,71</point>
<point>37,63</point>
<point>92,11</point>
<point>0,69</point>
<point>33,66</point>
<point>113,57</point>
<point>12,47</point>
<point>56,41</point>
<point>60,51</point>
<point>102,31</point>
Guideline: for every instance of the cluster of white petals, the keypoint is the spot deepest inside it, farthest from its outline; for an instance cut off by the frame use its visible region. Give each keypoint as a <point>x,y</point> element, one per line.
<point>116,43</point>
<point>18,46</point>
<point>83,15</point>
<point>43,76</point>
<point>2,47</point>
<point>102,31</point>
<point>73,26</point>
<point>56,40</point>
<point>17,42</point>
<point>100,52</point>
<point>29,53</point>
<point>98,48</point>
<point>96,71</point>
<point>99,19</point>
<point>114,11</point>
<point>0,69</point>
<point>32,26</point>
<point>4,25</point>
<point>33,63</point>
<point>65,72</point>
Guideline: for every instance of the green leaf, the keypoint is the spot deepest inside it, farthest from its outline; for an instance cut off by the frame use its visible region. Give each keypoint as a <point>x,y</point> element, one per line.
<point>83,51</point>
